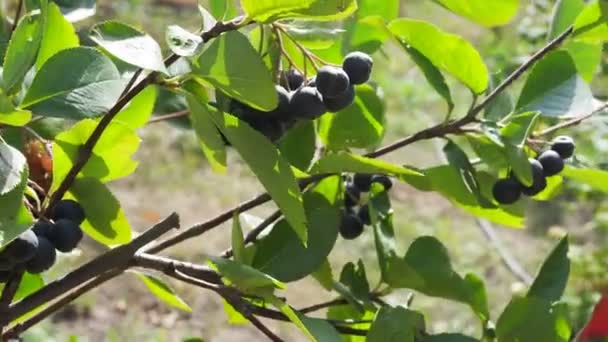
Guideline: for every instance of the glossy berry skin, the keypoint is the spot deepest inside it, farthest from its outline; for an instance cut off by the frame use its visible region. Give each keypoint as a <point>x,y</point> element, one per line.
<point>270,127</point>
<point>384,180</point>
<point>364,215</point>
<point>552,163</point>
<point>363,181</point>
<point>294,79</point>
<point>352,196</point>
<point>44,258</point>
<point>350,226</point>
<point>283,103</point>
<point>65,235</point>
<point>332,81</point>
<point>506,191</point>
<point>564,146</point>
<point>307,103</point>
<point>539,182</point>
<point>358,67</point>
<point>23,248</point>
<point>340,102</point>
<point>42,228</point>
<point>68,209</point>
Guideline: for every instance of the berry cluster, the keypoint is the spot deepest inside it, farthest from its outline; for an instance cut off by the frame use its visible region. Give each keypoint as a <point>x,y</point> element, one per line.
<point>331,90</point>
<point>34,249</point>
<point>548,163</point>
<point>355,216</point>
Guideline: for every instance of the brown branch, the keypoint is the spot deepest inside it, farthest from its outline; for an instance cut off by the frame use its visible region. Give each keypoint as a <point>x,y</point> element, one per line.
<point>254,233</point>
<point>169,116</point>
<point>8,293</point>
<point>86,151</point>
<point>170,267</point>
<point>16,19</point>
<point>118,258</point>
<point>570,123</point>
<point>19,328</point>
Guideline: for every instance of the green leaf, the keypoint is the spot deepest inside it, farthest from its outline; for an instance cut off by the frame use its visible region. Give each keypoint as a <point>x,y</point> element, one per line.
<point>291,314</point>
<point>21,51</point>
<point>596,179</point>
<point>182,42</point>
<point>58,34</point>
<point>324,275</point>
<point>354,279</point>
<point>520,164</point>
<point>269,166</point>
<point>111,158</point>
<point>321,329</point>
<point>298,145</point>
<point>586,56</point>
<point>238,242</point>
<point>76,10</point>
<point>530,319</point>
<point>488,150</point>
<point>222,9</point>
<point>447,52</point>
<point>12,167</point>
<point>502,105</point>
<point>348,312</point>
<point>282,255</point>
<point>105,220</point>
<point>552,277</point>
<point>555,185</point>
<point>129,45</point>
<point>14,216</point>
<point>590,25</point>
<point>137,112</point>
<point>74,83</point>
<point>163,292</point>
<point>30,283</point>
<point>483,12</point>
<point>519,128</point>
<point>245,78</point>
<point>459,160</point>
<point>209,137</point>
<point>361,125</point>
<point>448,338</point>
<point>350,162</point>
<point>555,94</point>
<point>270,10</point>
<point>367,34</point>
<point>327,10</point>
<point>246,278</point>
<point>395,324</point>
<point>234,317</point>
<point>564,15</point>
<point>431,73</point>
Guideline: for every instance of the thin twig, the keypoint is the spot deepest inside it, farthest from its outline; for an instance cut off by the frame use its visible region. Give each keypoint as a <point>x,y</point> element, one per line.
<point>310,56</point>
<point>16,18</point>
<point>261,327</point>
<point>165,117</point>
<point>284,52</point>
<point>570,123</point>
<point>8,293</point>
<point>19,328</point>
<point>254,233</point>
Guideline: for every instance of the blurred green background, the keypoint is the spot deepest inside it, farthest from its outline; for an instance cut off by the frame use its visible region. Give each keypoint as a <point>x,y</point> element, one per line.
<point>174,176</point>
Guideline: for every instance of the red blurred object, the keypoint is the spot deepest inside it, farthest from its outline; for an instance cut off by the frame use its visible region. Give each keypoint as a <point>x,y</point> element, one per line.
<point>40,163</point>
<point>597,328</point>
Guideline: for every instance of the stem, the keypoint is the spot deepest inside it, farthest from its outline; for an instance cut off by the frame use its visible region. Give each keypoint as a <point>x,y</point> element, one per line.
<point>570,123</point>
<point>292,64</point>
<point>16,18</point>
<point>253,234</point>
<point>8,293</point>
<point>169,116</point>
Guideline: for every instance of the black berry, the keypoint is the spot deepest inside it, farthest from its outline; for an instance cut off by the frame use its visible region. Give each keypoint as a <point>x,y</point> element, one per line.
<point>364,216</point>
<point>6,264</point>
<point>307,103</point>
<point>563,145</point>
<point>283,103</point>
<point>5,276</point>
<point>332,81</point>
<point>65,235</point>
<point>44,258</point>
<point>68,209</point>
<point>358,67</point>
<point>350,226</point>
<point>267,126</point>
<point>23,248</point>
<point>506,191</point>
<point>293,78</point>
<point>384,180</point>
<point>539,182</point>
<point>552,163</point>
<point>340,102</point>
<point>352,195</point>
<point>42,228</point>
<point>363,181</point>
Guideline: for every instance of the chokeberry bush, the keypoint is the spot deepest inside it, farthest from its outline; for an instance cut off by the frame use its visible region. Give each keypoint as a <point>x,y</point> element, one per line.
<point>289,86</point>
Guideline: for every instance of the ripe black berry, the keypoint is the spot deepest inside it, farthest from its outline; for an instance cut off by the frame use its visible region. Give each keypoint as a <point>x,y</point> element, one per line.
<point>364,216</point>
<point>23,248</point>
<point>332,81</point>
<point>564,146</point>
<point>267,126</point>
<point>358,67</point>
<point>294,79</point>
<point>352,195</point>
<point>44,258</point>
<point>539,182</point>
<point>506,191</point>
<point>5,276</point>
<point>6,264</point>
<point>384,180</point>
<point>342,101</point>
<point>42,228</point>
<point>68,209</point>
<point>552,163</point>
<point>307,103</point>
<point>363,181</point>
<point>350,226</point>
<point>283,103</point>
<point>65,235</point>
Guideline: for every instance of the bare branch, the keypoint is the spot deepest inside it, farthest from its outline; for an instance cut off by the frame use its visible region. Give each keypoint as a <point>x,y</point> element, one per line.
<point>175,115</point>
<point>254,233</point>
<point>571,122</point>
